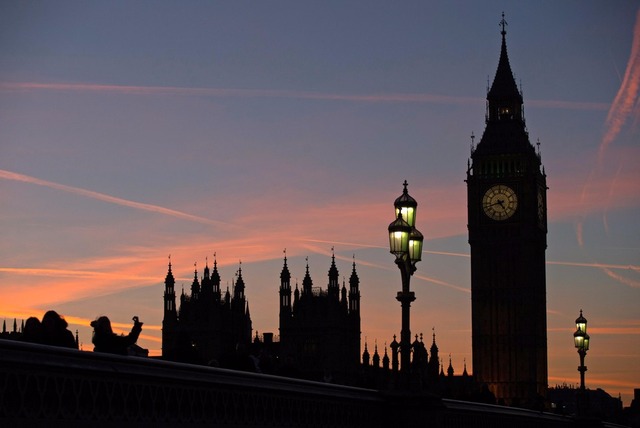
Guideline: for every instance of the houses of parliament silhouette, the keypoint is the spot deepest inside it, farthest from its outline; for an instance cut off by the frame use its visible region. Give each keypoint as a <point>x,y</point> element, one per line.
<point>319,329</point>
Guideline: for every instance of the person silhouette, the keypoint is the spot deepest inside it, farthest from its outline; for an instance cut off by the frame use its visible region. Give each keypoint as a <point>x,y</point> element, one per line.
<point>32,331</point>
<point>105,340</point>
<point>55,332</point>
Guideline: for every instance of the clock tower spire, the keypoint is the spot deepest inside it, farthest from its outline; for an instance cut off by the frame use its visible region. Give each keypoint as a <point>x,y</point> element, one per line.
<point>506,195</point>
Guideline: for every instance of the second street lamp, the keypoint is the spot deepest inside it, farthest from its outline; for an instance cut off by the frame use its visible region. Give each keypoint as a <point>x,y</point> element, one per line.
<point>581,342</point>
<point>405,242</point>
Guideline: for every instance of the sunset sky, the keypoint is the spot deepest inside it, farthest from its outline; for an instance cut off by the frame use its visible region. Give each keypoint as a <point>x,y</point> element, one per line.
<point>131,131</point>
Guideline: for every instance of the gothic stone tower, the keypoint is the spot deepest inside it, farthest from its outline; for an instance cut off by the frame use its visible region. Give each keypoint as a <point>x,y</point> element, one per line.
<point>507,212</point>
<point>208,326</point>
<point>320,329</point>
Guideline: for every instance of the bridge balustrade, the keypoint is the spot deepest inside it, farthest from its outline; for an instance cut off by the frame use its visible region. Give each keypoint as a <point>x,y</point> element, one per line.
<point>41,385</point>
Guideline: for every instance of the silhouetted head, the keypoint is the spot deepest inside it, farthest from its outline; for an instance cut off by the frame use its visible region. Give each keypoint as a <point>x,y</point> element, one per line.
<point>31,323</point>
<point>102,325</point>
<point>32,331</point>
<point>52,321</point>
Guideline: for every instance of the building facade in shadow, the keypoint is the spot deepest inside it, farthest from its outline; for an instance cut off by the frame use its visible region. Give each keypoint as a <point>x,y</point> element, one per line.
<point>320,328</point>
<point>209,327</point>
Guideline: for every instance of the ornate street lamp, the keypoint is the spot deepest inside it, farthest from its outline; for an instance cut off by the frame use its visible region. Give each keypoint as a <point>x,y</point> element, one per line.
<point>581,342</point>
<point>405,242</point>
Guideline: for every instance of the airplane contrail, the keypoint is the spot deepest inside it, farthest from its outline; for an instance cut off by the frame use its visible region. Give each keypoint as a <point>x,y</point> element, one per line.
<point>627,96</point>
<point>8,175</point>
<point>275,93</point>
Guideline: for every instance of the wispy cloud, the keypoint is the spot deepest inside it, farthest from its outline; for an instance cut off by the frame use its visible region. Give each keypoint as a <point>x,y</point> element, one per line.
<point>9,175</point>
<point>624,280</point>
<point>276,93</point>
<point>596,265</point>
<point>627,97</point>
<point>601,331</point>
<point>68,273</point>
<point>624,105</point>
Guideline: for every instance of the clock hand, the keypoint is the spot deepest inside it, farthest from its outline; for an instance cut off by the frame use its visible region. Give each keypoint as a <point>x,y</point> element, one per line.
<point>500,202</point>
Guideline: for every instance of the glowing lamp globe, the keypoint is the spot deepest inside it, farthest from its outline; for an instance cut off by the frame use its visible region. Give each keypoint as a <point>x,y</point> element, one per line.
<point>415,245</point>
<point>581,323</point>
<point>399,232</point>
<point>578,339</point>
<point>406,206</point>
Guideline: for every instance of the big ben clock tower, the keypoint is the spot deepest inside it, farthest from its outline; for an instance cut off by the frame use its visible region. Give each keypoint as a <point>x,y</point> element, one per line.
<point>506,199</point>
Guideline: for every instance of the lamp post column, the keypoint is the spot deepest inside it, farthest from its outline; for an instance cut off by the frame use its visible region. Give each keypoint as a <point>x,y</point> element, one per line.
<point>582,369</point>
<point>405,242</point>
<point>405,297</point>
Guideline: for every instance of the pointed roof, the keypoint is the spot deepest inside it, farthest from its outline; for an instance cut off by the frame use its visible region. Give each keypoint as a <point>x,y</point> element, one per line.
<point>333,270</point>
<point>206,268</point>
<point>504,85</point>
<point>353,279</point>
<point>505,132</point>
<point>307,283</point>
<point>169,279</point>
<point>285,275</point>
<point>215,276</point>
<point>365,355</point>
<point>376,356</point>
<point>195,285</point>
<point>385,359</point>
<point>434,347</point>
<point>238,289</point>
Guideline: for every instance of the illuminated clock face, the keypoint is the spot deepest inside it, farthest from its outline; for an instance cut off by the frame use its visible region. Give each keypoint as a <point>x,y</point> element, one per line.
<point>500,202</point>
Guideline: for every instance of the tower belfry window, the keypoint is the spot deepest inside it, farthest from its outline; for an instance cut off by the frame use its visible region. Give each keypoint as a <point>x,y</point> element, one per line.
<point>505,113</point>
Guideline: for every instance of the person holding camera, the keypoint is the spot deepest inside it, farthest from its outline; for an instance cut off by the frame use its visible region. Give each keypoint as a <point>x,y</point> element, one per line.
<point>105,340</point>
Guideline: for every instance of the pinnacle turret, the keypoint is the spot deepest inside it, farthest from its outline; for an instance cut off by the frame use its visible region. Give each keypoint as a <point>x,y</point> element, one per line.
<point>307,283</point>
<point>334,286</point>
